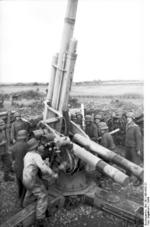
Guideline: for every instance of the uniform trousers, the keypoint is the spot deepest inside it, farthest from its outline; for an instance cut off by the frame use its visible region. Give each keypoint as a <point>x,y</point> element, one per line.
<point>38,189</point>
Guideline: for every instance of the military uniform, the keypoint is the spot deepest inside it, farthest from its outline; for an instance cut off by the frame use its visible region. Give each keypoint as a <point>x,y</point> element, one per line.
<point>98,120</point>
<point>32,164</point>
<point>116,121</point>
<point>133,142</point>
<point>17,126</point>
<point>79,119</point>
<point>4,155</point>
<point>18,151</point>
<point>107,141</point>
<point>91,131</point>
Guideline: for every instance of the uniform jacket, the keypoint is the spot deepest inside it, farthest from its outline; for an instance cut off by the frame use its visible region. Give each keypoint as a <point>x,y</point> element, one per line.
<point>92,131</point>
<point>19,150</point>
<point>133,136</point>
<point>3,142</point>
<point>16,126</point>
<point>32,163</point>
<point>107,141</point>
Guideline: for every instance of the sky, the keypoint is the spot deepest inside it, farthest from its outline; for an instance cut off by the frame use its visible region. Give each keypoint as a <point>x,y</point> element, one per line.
<point>110,36</point>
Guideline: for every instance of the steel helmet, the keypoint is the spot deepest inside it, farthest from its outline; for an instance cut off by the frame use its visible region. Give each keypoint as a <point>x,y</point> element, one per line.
<point>78,114</point>
<point>98,116</point>
<point>33,143</point>
<point>88,118</point>
<point>22,134</point>
<point>17,114</point>
<point>103,125</point>
<point>130,115</point>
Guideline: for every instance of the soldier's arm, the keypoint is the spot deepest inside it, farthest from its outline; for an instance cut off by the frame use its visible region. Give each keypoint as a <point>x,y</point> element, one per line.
<point>43,167</point>
<point>12,133</point>
<point>104,141</point>
<point>2,143</point>
<point>138,138</point>
<point>95,133</point>
<point>111,142</point>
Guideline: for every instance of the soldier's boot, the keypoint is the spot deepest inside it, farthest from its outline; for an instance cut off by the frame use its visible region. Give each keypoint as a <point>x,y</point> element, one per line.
<point>7,177</point>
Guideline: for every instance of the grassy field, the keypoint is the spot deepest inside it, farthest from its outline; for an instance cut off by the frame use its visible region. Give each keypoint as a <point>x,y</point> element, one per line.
<point>85,90</point>
<point>104,90</point>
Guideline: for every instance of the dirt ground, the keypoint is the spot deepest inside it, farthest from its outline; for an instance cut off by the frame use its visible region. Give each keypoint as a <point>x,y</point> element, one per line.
<point>82,215</point>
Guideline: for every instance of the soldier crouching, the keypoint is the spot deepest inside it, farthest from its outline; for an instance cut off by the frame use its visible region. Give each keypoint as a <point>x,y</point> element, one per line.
<point>33,182</point>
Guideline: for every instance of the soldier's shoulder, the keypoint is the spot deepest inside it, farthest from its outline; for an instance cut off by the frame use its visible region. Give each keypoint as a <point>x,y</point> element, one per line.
<point>13,123</point>
<point>107,135</point>
<point>135,126</point>
<point>94,125</point>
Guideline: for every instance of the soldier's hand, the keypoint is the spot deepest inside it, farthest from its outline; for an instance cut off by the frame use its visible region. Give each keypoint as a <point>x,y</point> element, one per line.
<point>139,152</point>
<point>14,141</point>
<point>54,175</point>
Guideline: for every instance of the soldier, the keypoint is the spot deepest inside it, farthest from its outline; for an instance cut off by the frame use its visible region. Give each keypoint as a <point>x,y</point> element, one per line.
<point>4,155</point>
<point>133,142</point>
<point>18,124</point>
<point>90,128</point>
<point>133,139</point>
<point>97,120</point>
<point>79,119</point>
<point>18,150</point>
<point>33,182</point>
<point>107,139</point>
<point>113,123</point>
<point>73,118</point>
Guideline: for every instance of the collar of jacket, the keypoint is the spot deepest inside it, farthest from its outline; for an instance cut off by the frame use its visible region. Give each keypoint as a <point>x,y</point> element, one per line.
<point>131,124</point>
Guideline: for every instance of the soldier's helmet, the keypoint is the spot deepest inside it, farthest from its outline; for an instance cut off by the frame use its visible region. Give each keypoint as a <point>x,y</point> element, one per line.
<point>98,116</point>
<point>33,143</point>
<point>116,115</point>
<point>130,115</point>
<point>17,114</point>
<point>22,134</point>
<point>78,114</point>
<point>103,125</point>
<point>2,123</point>
<point>73,117</point>
<point>88,118</point>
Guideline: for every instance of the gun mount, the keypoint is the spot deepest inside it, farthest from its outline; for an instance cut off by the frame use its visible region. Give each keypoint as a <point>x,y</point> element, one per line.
<point>69,149</point>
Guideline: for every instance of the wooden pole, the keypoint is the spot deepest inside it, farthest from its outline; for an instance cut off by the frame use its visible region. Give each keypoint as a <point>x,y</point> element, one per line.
<point>67,34</point>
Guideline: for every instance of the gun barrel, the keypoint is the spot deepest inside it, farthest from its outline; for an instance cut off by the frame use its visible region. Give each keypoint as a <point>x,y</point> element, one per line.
<point>67,35</point>
<point>109,155</point>
<point>100,165</point>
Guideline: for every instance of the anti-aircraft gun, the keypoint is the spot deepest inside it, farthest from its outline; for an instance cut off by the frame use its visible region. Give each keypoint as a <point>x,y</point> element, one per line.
<point>71,151</point>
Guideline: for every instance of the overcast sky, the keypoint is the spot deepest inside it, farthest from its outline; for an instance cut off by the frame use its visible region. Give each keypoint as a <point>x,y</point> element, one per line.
<point>110,36</point>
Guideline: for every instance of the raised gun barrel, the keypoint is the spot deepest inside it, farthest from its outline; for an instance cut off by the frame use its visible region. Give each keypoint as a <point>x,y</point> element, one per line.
<point>109,155</point>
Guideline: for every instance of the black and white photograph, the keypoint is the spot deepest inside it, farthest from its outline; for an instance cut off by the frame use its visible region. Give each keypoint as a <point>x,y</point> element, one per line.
<point>72,113</point>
